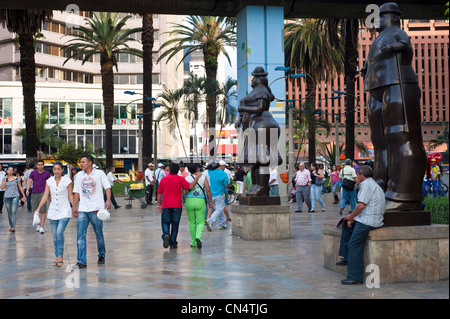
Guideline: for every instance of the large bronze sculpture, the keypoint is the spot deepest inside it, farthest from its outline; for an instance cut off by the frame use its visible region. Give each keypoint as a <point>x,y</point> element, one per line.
<point>261,132</point>
<point>394,114</point>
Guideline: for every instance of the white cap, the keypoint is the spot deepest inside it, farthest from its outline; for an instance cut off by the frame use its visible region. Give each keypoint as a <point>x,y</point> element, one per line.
<point>160,165</point>
<point>222,162</point>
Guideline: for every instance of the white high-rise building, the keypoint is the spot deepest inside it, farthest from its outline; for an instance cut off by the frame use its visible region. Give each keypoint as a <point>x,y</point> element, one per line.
<point>72,94</point>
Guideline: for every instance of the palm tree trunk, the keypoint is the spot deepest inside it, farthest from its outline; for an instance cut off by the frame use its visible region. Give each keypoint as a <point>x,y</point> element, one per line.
<point>108,102</point>
<point>311,125</point>
<point>28,78</point>
<point>350,64</point>
<point>211,73</point>
<point>147,127</point>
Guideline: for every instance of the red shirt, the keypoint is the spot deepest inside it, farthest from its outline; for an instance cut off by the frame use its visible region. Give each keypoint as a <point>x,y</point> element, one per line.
<point>170,189</point>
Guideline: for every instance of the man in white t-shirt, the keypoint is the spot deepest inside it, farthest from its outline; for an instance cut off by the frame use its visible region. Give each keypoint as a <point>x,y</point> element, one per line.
<point>274,190</point>
<point>88,191</point>
<point>159,174</point>
<point>112,179</point>
<point>149,182</point>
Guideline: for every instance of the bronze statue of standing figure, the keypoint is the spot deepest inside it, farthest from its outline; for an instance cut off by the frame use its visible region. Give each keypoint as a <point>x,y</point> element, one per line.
<point>394,114</point>
<point>260,134</point>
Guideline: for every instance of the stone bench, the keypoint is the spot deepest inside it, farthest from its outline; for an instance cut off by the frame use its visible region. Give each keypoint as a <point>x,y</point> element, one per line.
<point>403,253</point>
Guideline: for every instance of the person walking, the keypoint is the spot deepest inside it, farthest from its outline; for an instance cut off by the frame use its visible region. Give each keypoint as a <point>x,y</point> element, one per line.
<point>88,193</point>
<point>196,204</point>
<point>239,177</point>
<point>223,166</point>
<point>12,189</point>
<point>293,182</point>
<point>2,191</point>
<point>347,172</point>
<point>159,174</point>
<point>26,180</point>
<point>170,205</point>
<point>274,190</point>
<point>368,215</point>
<point>334,182</point>
<point>59,188</point>
<point>435,174</point>
<point>302,191</point>
<point>39,178</point>
<point>317,181</point>
<point>149,176</point>
<point>218,181</point>
<point>112,179</point>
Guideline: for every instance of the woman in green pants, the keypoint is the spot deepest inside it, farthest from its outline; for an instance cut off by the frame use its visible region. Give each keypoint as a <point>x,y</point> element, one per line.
<point>196,205</point>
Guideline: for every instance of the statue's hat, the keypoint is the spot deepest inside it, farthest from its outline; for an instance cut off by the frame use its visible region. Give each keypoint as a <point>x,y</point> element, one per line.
<point>390,7</point>
<point>259,72</point>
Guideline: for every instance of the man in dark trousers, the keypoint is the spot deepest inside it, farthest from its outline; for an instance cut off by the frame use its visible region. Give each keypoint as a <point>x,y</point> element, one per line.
<point>394,114</point>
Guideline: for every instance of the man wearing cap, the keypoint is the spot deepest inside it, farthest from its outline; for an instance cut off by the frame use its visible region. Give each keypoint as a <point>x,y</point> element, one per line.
<point>435,173</point>
<point>149,182</point>
<point>394,113</point>
<point>218,183</point>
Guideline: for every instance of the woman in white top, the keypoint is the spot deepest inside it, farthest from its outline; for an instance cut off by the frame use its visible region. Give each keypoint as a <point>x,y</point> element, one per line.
<point>60,189</point>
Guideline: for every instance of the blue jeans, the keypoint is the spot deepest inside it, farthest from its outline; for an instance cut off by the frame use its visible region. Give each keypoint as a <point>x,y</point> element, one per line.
<point>348,195</point>
<point>351,248</point>
<point>83,222</point>
<point>316,192</point>
<point>170,221</point>
<point>11,204</point>
<point>58,228</point>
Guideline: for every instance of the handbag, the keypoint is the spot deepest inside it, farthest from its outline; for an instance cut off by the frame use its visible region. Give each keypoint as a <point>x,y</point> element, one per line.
<point>348,184</point>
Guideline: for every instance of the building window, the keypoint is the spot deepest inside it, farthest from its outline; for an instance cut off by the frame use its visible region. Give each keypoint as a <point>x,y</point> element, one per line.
<point>5,140</point>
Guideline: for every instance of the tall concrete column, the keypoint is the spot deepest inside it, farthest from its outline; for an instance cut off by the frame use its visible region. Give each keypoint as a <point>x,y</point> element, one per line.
<point>260,42</point>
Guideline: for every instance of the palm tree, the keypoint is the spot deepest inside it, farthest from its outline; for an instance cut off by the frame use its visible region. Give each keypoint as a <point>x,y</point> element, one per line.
<point>305,119</point>
<point>210,35</point>
<point>44,136</point>
<point>193,96</point>
<point>105,35</point>
<point>226,111</point>
<point>26,23</point>
<point>171,110</point>
<point>308,48</point>
<point>347,30</point>
<point>147,107</point>
<point>440,139</point>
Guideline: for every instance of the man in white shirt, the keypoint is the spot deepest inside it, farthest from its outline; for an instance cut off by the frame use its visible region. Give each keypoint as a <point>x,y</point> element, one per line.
<point>113,179</point>
<point>88,190</point>
<point>159,174</point>
<point>367,216</point>
<point>149,182</point>
<point>27,180</point>
<point>274,190</point>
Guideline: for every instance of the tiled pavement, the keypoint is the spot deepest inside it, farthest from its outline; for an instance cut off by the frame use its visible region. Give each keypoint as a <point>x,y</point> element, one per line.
<point>137,266</point>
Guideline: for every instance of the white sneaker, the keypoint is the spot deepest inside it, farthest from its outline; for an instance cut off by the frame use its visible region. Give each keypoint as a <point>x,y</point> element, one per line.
<point>38,228</point>
<point>41,230</point>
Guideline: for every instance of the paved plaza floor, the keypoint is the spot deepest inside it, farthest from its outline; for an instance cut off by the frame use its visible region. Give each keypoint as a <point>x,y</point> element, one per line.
<point>138,267</point>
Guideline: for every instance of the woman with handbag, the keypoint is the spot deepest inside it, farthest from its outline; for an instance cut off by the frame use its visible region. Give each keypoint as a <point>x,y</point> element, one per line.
<point>317,182</point>
<point>196,205</point>
<point>59,211</point>
<point>347,176</point>
<point>13,188</point>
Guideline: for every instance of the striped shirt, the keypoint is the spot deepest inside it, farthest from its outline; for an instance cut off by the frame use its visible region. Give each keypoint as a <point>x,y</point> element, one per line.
<point>371,194</point>
<point>303,177</point>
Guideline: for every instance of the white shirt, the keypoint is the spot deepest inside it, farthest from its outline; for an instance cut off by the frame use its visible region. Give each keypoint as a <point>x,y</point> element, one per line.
<point>227,171</point>
<point>159,174</point>
<point>371,194</point>
<point>148,173</point>
<point>60,204</point>
<point>111,178</point>
<point>273,175</point>
<point>90,187</point>
<point>26,175</point>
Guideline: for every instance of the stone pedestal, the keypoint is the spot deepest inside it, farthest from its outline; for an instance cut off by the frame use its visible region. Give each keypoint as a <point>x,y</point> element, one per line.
<point>403,254</point>
<point>268,222</point>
